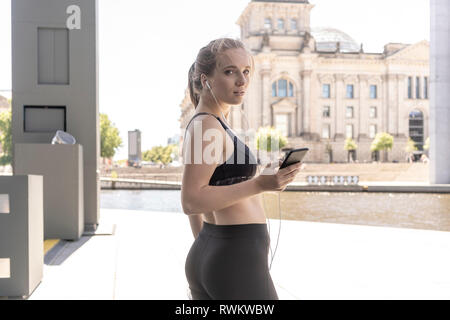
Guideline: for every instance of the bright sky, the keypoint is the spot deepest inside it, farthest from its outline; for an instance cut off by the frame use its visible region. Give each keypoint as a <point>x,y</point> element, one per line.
<point>147,47</point>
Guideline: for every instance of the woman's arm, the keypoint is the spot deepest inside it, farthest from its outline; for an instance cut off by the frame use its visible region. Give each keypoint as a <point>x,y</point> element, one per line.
<point>196,222</point>
<point>205,198</point>
<point>211,198</point>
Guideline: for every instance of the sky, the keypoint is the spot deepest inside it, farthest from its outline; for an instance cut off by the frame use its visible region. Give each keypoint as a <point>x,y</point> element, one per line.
<point>147,47</point>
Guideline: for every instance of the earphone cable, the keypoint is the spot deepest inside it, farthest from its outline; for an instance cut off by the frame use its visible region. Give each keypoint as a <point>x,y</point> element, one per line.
<point>268,227</point>
<point>273,252</point>
<point>279,229</point>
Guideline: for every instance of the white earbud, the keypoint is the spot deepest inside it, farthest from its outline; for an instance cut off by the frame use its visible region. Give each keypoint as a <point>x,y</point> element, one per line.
<point>207,84</point>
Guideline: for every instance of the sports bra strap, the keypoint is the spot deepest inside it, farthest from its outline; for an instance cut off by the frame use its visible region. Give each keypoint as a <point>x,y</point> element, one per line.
<point>205,113</point>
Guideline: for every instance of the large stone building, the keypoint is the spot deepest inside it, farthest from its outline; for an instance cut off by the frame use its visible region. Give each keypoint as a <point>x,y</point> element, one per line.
<point>318,86</point>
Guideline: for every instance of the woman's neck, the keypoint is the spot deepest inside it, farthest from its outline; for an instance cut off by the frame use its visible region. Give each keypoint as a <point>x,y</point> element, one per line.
<point>218,111</point>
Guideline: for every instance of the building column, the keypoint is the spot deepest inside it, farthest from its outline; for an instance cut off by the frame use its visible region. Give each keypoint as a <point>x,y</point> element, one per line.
<point>266,118</point>
<point>392,100</point>
<point>384,96</point>
<point>300,110</point>
<point>401,97</point>
<point>305,76</point>
<point>53,65</point>
<point>339,112</point>
<point>440,92</point>
<point>363,110</point>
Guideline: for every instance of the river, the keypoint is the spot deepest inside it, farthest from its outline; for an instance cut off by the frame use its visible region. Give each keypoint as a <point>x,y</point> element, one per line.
<point>404,210</point>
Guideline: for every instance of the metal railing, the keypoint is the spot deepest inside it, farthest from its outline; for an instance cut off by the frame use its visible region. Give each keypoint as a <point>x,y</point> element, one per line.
<point>332,180</point>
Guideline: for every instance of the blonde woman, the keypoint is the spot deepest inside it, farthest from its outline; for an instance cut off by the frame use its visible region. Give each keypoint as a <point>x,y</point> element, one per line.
<point>228,259</point>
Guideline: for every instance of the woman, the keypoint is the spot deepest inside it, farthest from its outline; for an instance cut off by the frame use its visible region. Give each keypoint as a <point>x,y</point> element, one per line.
<point>228,259</point>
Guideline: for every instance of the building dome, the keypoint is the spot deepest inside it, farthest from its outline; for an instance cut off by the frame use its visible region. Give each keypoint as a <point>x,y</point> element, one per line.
<point>327,39</point>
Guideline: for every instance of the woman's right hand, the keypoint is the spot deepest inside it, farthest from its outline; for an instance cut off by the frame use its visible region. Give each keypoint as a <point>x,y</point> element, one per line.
<point>269,180</point>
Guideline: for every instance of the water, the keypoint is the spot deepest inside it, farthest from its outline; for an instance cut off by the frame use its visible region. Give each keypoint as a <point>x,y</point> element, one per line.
<point>408,210</point>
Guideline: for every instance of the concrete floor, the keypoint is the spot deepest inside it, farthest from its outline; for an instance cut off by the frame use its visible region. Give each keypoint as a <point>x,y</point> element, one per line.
<point>144,259</point>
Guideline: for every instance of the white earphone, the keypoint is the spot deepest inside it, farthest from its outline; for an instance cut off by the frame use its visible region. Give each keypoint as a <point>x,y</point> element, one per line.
<point>207,84</point>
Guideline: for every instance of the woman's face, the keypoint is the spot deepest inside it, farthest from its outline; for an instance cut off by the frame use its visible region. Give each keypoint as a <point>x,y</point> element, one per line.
<point>231,76</point>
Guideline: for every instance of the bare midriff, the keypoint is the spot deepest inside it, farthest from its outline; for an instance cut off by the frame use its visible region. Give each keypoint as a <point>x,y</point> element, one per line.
<point>247,211</point>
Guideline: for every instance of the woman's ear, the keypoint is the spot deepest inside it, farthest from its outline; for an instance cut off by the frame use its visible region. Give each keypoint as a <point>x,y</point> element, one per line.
<point>203,79</point>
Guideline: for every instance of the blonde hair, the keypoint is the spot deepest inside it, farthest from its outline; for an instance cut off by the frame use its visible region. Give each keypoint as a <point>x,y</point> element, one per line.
<point>206,63</point>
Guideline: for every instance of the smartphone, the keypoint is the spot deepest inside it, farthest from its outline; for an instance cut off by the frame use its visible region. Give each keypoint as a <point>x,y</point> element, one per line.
<point>293,157</point>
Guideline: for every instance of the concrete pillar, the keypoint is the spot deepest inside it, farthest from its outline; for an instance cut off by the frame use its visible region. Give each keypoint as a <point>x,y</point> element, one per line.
<point>440,92</point>
<point>55,82</point>
<point>21,234</point>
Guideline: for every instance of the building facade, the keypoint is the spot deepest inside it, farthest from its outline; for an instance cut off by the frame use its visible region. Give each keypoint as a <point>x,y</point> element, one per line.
<point>319,87</point>
<point>134,148</point>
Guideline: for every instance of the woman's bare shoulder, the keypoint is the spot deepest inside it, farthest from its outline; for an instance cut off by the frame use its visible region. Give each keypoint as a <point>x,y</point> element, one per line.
<point>206,120</point>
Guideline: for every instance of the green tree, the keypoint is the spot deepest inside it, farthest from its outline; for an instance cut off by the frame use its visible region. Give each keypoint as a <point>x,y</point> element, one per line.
<point>350,146</point>
<point>160,154</point>
<point>6,138</point>
<point>410,146</point>
<point>427,144</point>
<point>110,139</point>
<point>269,142</point>
<point>383,142</point>
<point>270,139</point>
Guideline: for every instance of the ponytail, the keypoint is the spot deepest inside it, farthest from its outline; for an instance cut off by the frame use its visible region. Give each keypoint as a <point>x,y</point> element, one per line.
<point>195,97</point>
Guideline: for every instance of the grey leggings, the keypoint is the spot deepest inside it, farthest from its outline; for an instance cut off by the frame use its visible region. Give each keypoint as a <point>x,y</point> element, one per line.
<point>230,263</point>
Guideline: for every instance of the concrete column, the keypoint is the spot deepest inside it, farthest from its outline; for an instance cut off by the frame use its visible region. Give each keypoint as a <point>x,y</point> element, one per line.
<point>21,234</point>
<point>266,90</point>
<point>440,92</point>
<point>55,82</point>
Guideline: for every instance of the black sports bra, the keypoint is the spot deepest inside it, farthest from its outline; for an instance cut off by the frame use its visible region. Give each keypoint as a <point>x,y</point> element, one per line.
<point>240,167</point>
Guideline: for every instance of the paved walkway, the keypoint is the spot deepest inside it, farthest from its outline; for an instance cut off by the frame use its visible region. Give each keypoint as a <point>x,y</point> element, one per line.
<point>144,259</point>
